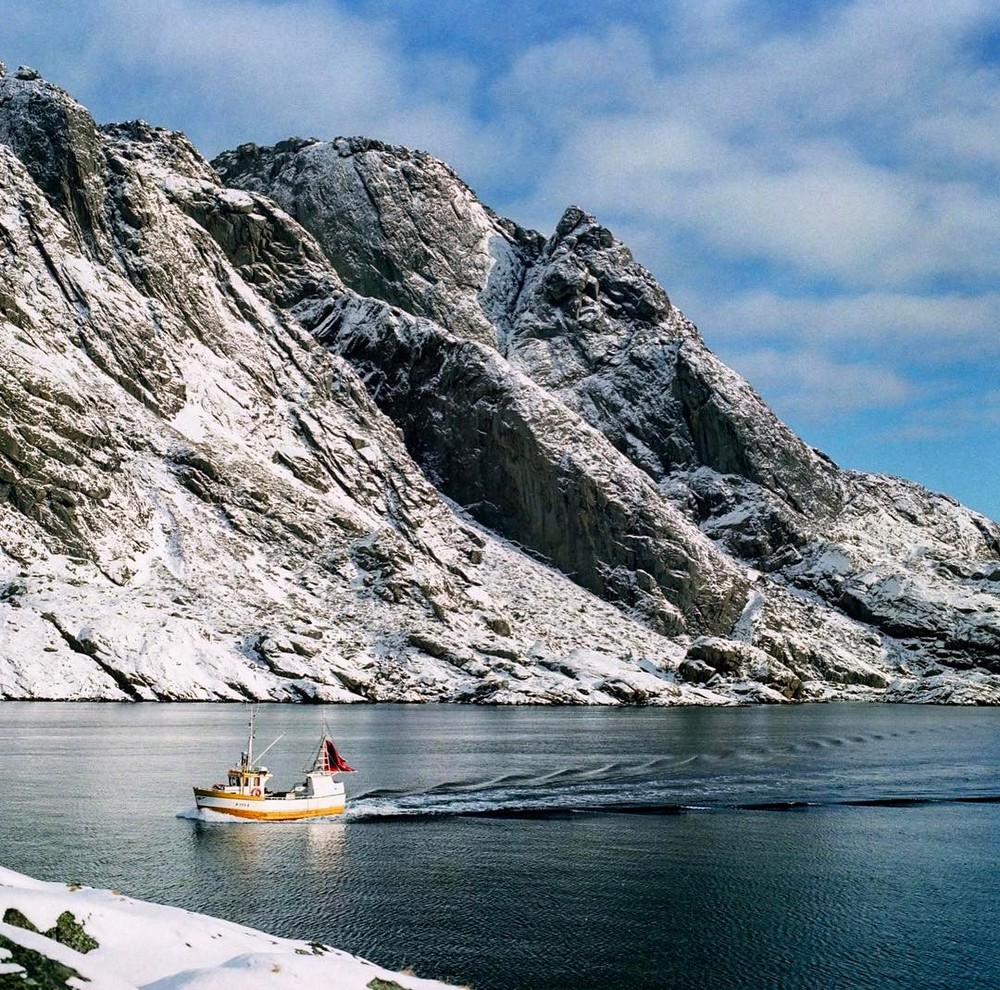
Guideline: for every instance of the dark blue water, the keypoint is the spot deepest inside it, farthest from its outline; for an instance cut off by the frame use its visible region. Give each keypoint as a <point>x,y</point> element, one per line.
<point>824,846</point>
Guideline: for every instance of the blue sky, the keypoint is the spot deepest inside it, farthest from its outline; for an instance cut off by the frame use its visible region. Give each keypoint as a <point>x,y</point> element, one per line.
<point>814,183</point>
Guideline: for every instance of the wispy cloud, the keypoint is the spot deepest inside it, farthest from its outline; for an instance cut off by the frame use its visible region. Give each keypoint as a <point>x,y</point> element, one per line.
<point>229,71</point>
<point>810,387</point>
<point>809,151</point>
<point>942,328</point>
<point>953,418</point>
<point>818,193</point>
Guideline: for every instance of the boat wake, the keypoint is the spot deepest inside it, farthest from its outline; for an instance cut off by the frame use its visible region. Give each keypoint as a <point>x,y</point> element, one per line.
<point>367,811</point>
<point>654,787</point>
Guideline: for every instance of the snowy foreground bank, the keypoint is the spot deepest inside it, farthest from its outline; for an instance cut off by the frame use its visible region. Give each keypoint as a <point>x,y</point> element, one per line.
<point>116,943</point>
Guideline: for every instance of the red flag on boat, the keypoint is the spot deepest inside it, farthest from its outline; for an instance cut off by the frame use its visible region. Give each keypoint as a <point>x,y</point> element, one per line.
<point>333,761</point>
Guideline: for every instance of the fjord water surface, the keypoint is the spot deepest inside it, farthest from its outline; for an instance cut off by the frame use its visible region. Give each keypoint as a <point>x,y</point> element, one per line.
<point>820,846</point>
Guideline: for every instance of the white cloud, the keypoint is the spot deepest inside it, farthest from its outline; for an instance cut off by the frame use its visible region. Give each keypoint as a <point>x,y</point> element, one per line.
<point>856,145</point>
<point>930,329</point>
<point>807,150</point>
<point>962,140</point>
<point>561,83</point>
<point>229,71</point>
<point>829,218</point>
<point>809,387</point>
<point>979,413</point>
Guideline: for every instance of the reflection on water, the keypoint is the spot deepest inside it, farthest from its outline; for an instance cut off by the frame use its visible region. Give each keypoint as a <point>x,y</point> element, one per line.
<point>510,848</point>
<point>254,848</point>
<point>324,842</point>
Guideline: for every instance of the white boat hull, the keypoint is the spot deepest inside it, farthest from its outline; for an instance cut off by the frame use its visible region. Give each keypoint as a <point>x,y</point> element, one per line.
<point>270,808</point>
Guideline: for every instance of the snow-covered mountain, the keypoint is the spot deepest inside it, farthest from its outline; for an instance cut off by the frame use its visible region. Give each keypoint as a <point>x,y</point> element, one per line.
<point>310,422</point>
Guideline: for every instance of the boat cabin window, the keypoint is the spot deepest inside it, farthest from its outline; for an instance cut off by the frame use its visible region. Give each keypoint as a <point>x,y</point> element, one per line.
<point>256,782</point>
<point>234,781</point>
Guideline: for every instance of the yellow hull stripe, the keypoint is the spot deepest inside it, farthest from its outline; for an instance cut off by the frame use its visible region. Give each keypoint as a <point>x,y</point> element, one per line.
<point>284,816</point>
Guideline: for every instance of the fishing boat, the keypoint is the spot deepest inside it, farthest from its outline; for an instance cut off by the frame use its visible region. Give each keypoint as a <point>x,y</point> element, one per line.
<point>247,795</point>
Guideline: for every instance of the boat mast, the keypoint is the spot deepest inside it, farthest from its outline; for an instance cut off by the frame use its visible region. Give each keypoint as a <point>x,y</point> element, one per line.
<point>248,755</point>
<point>317,763</point>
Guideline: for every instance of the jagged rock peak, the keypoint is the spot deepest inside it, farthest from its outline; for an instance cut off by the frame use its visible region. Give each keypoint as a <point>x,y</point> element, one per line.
<point>197,500</point>
<point>584,259</point>
<point>137,139</point>
<point>398,225</point>
<point>58,141</point>
<point>236,161</point>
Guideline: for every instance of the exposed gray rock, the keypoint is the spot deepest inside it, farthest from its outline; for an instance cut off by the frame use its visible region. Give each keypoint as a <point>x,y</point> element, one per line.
<point>57,141</point>
<point>696,671</point>
<point>524,465</point>
<point>397,224</point>
<point>710,657</point>
<point>201,501</point>
<point>975,687</point>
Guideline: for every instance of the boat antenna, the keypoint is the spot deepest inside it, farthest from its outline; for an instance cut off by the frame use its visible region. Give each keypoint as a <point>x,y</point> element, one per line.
<point>267,749</point>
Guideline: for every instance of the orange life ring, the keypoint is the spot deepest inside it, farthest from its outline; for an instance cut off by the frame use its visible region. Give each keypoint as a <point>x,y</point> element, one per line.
<point>256,792</point>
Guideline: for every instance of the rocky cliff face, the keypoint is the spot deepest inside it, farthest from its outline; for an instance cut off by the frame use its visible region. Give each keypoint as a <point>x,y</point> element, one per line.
<point>313,423</point>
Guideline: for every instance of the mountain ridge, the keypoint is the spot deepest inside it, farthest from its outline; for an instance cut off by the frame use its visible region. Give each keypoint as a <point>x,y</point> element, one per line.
<point>347,434</point>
